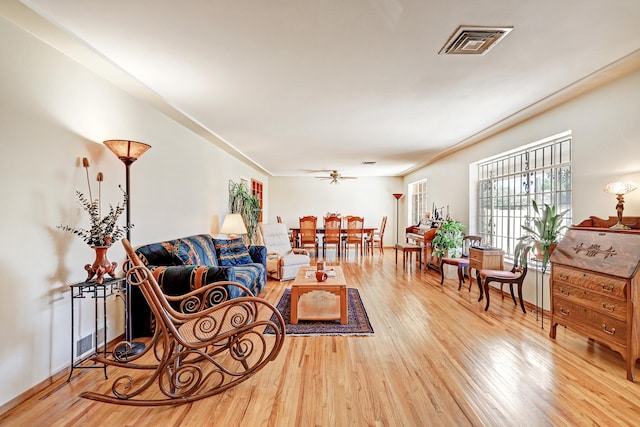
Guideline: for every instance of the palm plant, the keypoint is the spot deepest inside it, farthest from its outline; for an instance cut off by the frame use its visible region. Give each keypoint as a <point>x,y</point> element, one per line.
<point>246,204</point>
<point>544,233</point>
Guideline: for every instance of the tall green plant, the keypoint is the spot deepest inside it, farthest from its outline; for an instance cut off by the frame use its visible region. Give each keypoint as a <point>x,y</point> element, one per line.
<point>448,237</point>
<point>545,231</point>
<point>246,204</point>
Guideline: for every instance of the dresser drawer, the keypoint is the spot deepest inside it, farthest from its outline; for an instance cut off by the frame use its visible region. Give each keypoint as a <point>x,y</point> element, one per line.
<point>593,281</point>
<point>605,304</point>
<point>594,324</point>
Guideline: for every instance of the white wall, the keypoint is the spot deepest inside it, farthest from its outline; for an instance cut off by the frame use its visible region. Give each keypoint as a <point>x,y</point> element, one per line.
<point>606,148</point>
<point>53,113</point>
<point>371,197</point>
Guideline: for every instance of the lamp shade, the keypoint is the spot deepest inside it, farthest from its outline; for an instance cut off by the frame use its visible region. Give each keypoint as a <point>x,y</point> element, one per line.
<point>233,224</point>
<point>620,187</point>
<point>127,151</point>
<point>397,195</point>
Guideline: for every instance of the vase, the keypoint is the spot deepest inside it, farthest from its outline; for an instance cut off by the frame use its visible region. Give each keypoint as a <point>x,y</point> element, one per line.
<point>101,265</point>
<point>321,276</point>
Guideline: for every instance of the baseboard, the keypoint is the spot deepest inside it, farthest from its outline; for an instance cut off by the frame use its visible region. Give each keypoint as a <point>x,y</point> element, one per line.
<point>28,394</point>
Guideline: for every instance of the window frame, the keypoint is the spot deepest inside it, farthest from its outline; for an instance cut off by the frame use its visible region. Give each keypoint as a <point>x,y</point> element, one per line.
<point>417,208</point>
<point>506,184</point>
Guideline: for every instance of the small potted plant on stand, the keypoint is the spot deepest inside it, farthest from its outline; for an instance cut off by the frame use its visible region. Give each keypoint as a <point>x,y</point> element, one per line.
<point>103,231</point>
<point>544,234</point>
<point>448,240</point>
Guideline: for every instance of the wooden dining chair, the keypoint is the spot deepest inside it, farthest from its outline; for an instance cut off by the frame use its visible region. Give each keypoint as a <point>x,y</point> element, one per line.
<point>355,233</point>
<point>332,235</point>
<point>309,232</point>
<point>376,238</point>
<point>291,240</point>
<point>462,261</point>
<point>514,277</point>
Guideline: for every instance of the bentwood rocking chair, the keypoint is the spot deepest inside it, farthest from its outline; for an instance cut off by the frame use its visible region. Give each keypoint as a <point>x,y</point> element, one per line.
<point>204,343</point>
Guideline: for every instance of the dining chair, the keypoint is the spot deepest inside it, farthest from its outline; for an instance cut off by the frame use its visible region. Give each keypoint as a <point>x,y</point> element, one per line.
<point>461,262</point>
<point>355,233</point>
<point>376,238</point>
<point>332,235</point>
<point>514,277</point>
<point>308,232</point>
<point>291,240</point>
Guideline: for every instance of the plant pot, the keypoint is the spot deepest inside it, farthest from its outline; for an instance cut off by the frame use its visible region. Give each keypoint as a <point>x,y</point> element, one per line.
<point>540,253</point>
<point>101,265</point>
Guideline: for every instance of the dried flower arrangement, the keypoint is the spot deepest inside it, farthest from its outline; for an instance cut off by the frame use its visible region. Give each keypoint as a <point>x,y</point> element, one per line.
<point>104,230</point>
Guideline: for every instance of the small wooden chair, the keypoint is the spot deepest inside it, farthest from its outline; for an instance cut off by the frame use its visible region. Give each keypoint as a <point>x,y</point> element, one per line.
<point>204,343</point>
<point>376,238</point>
<point>355,234</point>
<point>332,236</point>
<point>309,232</point>
<point>462,262</point>
<point>514,277</point>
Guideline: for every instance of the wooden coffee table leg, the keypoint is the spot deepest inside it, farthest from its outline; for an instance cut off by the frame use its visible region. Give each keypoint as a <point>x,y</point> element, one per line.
<point>294,305</point>
<point>344,317</point>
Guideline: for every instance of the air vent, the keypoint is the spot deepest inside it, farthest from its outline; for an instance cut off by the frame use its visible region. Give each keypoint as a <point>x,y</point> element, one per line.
<point>368,163</point>
<point>473,40</point>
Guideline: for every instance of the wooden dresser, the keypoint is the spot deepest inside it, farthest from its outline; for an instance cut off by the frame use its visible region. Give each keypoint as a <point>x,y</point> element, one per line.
<point>595,288</point>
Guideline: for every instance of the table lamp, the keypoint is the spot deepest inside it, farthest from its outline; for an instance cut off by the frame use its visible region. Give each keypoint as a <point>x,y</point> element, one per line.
<point>233,225</point>
<point>620,189</point>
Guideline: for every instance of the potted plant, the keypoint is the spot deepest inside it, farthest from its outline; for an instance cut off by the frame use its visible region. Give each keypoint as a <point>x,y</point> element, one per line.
<point>544,234</point>
<point>246,204</point>
<point>448,238</point>
<point>103,230</point>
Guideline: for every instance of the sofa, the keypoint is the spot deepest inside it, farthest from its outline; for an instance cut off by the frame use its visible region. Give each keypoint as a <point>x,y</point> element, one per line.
<point>189,263</point>
<point>283,262</point>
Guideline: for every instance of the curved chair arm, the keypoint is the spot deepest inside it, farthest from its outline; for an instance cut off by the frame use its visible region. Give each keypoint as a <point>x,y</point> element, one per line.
<point>177,280</point>
<point>207,296</point>
<point>300,251</point>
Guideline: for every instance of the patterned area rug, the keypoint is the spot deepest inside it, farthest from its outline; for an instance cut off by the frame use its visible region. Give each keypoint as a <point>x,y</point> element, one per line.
<point>358,320</point>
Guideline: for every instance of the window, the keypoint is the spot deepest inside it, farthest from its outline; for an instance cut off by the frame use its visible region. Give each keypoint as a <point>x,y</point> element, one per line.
<point>508,183</point>
<point>418,201</point>
<point>256,190</point>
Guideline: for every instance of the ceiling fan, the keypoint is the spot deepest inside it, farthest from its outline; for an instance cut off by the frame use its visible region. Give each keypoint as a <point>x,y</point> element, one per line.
<point>335,177</point>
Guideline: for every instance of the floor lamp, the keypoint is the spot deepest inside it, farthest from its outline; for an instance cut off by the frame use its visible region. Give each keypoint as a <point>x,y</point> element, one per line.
<point>128,152</point>
<point>397,196</point>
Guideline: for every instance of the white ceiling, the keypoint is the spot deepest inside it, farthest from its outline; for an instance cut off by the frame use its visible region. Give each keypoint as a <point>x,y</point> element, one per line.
<point>327,84</point>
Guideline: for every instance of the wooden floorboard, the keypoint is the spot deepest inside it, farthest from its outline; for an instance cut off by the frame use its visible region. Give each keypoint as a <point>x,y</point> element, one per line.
<point>436,359</point>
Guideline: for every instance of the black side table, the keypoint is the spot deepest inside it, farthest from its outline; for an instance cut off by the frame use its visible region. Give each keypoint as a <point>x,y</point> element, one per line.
<point>93,289</point>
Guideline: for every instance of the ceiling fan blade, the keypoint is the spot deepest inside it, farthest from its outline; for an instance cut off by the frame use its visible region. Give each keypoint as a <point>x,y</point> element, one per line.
<point>316,170</point>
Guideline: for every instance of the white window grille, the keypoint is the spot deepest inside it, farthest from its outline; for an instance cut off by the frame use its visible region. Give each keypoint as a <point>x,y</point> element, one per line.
<point>508,183</point>
<point>418,201</point>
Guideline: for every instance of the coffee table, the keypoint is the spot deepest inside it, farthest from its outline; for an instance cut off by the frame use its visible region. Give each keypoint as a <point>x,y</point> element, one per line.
<point>316,305</point>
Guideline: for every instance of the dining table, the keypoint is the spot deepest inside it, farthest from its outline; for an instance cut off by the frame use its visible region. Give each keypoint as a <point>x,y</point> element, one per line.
<point>295,231</point>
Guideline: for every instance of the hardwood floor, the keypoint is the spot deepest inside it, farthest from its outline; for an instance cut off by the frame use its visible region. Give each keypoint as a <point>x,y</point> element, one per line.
<point>436,359</point>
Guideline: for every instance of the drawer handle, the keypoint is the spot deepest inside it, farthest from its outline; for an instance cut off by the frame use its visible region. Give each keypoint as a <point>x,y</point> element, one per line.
<point>566,294</point>
<point>610,332</point>
<point>563,276</point>
<point>604,287</point>
<point>604,307</point>
<point>564,312</point>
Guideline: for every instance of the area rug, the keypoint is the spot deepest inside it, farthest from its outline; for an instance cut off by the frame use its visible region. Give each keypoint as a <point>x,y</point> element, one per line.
<point>358,320</point>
